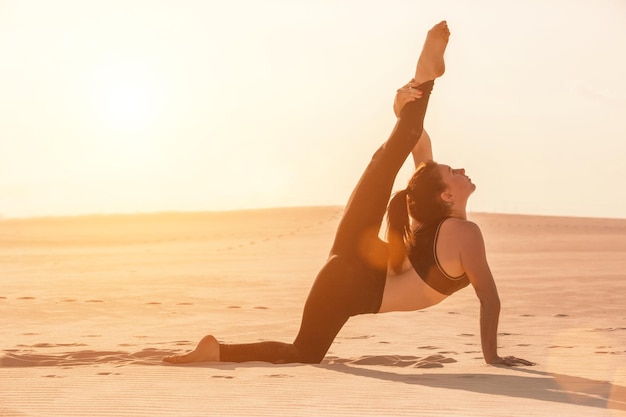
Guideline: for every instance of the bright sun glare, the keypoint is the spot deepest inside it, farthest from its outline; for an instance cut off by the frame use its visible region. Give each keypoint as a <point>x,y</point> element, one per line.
<point>125,98</point>
<point>125,105</point>
<point>124,119</point>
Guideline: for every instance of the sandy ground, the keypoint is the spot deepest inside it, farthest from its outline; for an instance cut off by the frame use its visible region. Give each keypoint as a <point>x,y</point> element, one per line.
<point>89,305</point>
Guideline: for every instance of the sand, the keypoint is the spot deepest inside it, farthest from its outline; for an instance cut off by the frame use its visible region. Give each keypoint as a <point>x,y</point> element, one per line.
<point>89,305</point>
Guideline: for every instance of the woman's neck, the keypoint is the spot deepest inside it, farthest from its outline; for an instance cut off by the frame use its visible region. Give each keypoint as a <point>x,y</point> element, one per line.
<point>458,213</point>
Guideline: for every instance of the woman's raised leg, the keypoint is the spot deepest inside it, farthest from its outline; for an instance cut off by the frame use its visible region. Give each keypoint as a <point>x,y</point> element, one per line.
<point>357,233</point>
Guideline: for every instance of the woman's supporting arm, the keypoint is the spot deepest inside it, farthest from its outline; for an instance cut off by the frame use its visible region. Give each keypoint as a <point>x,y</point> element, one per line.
<point>474,261</point>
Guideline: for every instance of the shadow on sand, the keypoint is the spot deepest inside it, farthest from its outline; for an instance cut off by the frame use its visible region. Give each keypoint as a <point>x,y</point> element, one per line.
<point>522,383</point>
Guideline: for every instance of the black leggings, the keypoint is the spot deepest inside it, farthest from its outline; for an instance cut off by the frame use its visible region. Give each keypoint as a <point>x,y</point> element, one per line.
<point>352,281</point>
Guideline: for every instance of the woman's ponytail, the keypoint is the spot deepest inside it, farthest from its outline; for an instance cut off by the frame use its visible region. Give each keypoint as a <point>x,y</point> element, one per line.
<point>398,229</point>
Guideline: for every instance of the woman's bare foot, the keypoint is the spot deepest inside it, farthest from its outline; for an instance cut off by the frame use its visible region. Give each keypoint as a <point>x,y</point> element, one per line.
<point>208,350</point>
<point>431,64</point>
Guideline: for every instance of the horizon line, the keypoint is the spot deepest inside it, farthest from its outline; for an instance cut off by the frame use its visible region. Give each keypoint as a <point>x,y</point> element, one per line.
<point>258,209</point>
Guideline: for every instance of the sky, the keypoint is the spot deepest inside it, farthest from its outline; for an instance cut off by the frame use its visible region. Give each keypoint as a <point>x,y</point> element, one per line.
<point>127,106</point>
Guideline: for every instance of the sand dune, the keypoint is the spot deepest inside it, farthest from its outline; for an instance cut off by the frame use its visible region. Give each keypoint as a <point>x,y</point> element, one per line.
<point>90,304</point>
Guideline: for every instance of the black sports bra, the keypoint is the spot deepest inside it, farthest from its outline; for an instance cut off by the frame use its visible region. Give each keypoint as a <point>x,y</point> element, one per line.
<point>423,257</point>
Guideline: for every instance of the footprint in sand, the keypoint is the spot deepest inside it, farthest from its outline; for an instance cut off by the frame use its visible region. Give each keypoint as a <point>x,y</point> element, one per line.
<point>607,329</point>
<point>183,343</point>
<point>439,359</point>
<point>40,345</point>
<point>604,350</point>
<point>261,308</point>
<point>234,307</point>
<point>433,361</point>
<point>560,315</point>
<point>389,360</point>
<point>365,336</point>
<point>428,365</point>
<point>53,345</point>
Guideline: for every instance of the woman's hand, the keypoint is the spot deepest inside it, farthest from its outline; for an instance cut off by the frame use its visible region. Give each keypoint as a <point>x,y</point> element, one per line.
<point>510,361</point>
<point>405,94</point>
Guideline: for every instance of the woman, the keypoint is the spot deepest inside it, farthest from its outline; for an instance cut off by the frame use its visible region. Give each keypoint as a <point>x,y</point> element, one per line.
<point>365,274</point>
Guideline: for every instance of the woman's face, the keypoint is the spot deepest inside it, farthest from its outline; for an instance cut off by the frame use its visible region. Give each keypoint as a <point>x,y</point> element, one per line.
<point>457,183</point>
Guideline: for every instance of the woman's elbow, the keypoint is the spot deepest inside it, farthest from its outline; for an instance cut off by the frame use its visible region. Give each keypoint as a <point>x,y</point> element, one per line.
<point>491,303</point>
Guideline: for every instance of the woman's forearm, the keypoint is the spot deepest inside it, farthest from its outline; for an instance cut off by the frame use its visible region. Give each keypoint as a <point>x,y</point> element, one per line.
<point>489,316</point>
<point>423,151</point>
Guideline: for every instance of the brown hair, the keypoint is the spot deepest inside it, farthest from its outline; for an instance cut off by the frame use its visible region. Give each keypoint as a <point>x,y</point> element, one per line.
<point>422,200</point>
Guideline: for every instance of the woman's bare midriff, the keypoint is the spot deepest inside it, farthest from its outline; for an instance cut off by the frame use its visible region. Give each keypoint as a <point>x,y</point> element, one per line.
<point>407,291</point>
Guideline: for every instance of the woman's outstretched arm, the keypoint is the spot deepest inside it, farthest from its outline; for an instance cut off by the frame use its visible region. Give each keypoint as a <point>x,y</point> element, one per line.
<point>474,261</point>
<point>423,151</point>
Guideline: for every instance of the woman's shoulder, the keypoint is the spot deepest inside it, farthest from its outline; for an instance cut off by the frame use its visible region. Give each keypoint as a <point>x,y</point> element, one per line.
<point>461,228</point>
